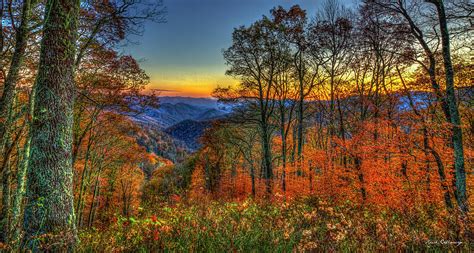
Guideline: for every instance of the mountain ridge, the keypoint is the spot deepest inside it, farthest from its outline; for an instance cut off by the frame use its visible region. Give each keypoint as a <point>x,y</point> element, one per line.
<point>173,128</point>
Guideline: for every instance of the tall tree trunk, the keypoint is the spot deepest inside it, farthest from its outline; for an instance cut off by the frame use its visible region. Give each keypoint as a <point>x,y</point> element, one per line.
<point>9,87</point>
<point>293,147</point>
<point>7,103</point>
<point>267,157</point>
<point>428,148</point>
<point>6,200</point>
<point>6,168</point>
<point>85,172</point>
<point>252,178</point>
<point>358,166</point>
<point>310,175</point>
<point>19,194</point>
<point>460,172</point>
<point>442,177</point>
<point>50,206</point>
<point>283,145</point>
<point>1,36</point>
<point>93,202</point>
<point>300,109</point>
<point>427,161</point>
<point>110,189</point>
<point>21,180</point>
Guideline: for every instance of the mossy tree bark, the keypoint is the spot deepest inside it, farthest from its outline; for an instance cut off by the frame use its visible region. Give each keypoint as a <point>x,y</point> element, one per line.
<point>6,199</point>
<point>7,103</point>
<point>49,211</point>
<point>9,87</point>
<point>17,208</point>
<point>1,38</point>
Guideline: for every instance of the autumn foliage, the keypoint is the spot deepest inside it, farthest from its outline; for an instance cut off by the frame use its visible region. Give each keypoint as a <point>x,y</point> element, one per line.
<point>350,129</point>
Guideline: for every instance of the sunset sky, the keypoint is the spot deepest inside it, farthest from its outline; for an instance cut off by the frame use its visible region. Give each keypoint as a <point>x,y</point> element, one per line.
<point>183,56</point>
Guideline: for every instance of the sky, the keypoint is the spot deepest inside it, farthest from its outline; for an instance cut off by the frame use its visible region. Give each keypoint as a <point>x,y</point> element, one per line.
<point>183,56</point>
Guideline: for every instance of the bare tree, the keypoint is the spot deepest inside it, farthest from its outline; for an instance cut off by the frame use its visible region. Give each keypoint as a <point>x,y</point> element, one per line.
<point>428,38</point>
<point>256,57</point>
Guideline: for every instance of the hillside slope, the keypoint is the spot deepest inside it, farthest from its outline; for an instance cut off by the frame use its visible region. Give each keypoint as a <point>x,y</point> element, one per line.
<point>189,132</point>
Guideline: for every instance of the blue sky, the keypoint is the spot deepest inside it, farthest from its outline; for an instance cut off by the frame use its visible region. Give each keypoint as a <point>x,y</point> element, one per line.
<point>184,55</point>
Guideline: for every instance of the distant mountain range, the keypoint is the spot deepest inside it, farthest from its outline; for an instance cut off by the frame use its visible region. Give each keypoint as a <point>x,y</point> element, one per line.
<point>172,110</point>
<point>173,129</point>
<point>199,102</point>
<point>175,126</point>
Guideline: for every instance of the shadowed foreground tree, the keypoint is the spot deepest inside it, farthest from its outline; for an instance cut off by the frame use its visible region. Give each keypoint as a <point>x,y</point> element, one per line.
<point>453,109</point>
<point>445,95</point>
<point>49,211</point>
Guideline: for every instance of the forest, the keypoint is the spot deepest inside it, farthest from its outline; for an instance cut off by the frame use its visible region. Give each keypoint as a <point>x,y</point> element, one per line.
<point>349,129</point>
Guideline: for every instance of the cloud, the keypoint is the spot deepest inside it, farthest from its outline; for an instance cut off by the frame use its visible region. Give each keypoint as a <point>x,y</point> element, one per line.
<point>164,90</point>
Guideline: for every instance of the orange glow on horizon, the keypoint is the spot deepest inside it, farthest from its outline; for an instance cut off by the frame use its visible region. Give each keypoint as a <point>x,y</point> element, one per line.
<point>190,91</point>
<point>199,87</point>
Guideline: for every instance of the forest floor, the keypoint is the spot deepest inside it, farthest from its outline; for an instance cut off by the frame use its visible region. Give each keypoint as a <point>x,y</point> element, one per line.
<point>257,226</point>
